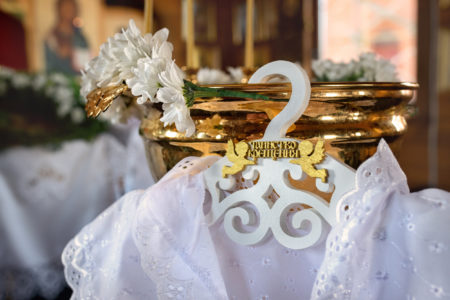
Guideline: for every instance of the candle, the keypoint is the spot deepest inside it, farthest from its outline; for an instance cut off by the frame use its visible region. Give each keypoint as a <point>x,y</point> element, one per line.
<point>249,59</point>
<point>190,34</point>
<point>148,16</point>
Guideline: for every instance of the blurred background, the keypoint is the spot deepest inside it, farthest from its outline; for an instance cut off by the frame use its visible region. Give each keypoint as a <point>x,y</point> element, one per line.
<point>47,36</point>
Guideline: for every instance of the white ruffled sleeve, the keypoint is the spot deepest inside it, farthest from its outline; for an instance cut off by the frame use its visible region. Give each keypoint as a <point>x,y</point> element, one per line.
<point>149,245</point>
<point>173,238</point>
<point>388,243</point>
<point>102,262</point>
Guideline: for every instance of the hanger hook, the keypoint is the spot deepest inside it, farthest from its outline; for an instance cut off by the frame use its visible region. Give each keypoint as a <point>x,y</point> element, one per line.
<point>301,92</point>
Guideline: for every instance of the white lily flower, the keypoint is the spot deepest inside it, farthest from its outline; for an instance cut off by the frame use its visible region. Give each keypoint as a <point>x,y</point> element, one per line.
<point>171,77</point>
<point>236,74</point>
<point>158,38</point>
<point>129,59</point>
<point>99,72</point>
<point>216,76</point>
<point>132,58</point>
<point>153,46</point>
<point>117,57</point>
<point>177,112</point>
<point>145,82</point>
<point>174,104</point>
<point>162,50</point>
<point>88,83</point>
<point>133,35</point>
<point>212,76</point>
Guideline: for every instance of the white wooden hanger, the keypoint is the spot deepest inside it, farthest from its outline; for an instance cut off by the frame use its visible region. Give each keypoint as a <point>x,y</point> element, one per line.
<point>247,215</point>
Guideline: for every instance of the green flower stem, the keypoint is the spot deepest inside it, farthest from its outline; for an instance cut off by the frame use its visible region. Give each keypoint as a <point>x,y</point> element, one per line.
<point>192,91</point>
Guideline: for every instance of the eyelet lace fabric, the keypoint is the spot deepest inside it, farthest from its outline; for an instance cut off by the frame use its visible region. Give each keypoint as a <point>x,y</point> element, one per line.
<point>388,243</point>
<point>47,196</point>
<point>138,252</point>
<point>184,264</point>
<point>95,257</point>
<point>155,244</point>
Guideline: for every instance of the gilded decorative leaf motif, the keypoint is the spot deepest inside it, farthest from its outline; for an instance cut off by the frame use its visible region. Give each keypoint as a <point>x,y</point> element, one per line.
<point>101,99</point>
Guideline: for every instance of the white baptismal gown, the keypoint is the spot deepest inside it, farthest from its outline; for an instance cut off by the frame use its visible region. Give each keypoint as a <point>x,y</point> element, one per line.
<point>155,244</point>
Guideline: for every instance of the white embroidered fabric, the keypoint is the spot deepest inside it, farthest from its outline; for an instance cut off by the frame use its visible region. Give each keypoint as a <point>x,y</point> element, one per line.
<point>388,243</point>
<point>155,244</point>
<point>48,195</point>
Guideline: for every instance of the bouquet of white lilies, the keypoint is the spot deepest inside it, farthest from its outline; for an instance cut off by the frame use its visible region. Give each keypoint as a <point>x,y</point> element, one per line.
<point>145,65</point>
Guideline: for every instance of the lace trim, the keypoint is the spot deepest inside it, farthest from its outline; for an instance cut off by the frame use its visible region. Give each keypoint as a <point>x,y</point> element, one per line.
<point>80,269</point>
<point>158,264</point>
<point>189,166</point>
<point>348,271</point>
<point>72,273</point>
<point>380,171</point>
<point>380,174</point>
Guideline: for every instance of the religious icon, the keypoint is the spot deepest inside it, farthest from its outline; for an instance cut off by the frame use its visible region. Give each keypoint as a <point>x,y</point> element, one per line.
<point>66,48</point>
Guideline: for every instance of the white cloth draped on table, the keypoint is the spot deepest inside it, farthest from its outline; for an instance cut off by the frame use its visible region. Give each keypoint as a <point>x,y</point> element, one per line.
<point>49,195</point>
<point>155,244</point>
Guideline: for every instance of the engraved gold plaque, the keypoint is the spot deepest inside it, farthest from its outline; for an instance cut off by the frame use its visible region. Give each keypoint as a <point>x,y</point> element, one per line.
<point>304,153</point>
